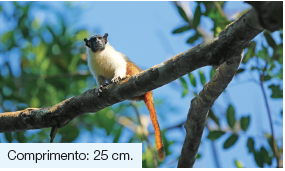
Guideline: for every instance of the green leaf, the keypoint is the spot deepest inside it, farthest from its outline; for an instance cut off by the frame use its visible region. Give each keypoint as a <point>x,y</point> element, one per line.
<point>202,77</point>
<point>118,133</point>
<point>181,29</point>
<point>106,119</point>
<point>263,53</point>
<point>276,91</point>
<point>266,78</point>
<point>185,87</point>
<point>40,52</point>
<point>69,133</point>
<point>20,137</point>
<point>7,35</point>
<point>144,164</point>
<point>230,141</point>
<point>192,79</point>
<point>198,156</point>
<point>193,38</point>
<point>148,157</point>
<point>183,82</point>
<point>265,156</point>
<point>213,117</point>
<point>250,52</point>
<point>240,71</point>
<point>213,135</point>
<point>212,73</point>
<point>8,137</point>
<point>258,158</point>
<point>35,102</point>
<point>231,116</point>
<point>269,39</point>
<point>182,14</point>
<point>197,16</point>
<point>44,66</point>
<point>81,35</point>
<point>278,54</point>
<point>250,145</point>
<point>244,123</point>
<point>238,164</point>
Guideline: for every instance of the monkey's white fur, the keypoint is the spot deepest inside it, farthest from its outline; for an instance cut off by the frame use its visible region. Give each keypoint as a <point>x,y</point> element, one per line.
<point>108,64</point>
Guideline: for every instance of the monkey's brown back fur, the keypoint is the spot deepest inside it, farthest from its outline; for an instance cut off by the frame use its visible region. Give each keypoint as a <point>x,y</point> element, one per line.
<point>148,99</point>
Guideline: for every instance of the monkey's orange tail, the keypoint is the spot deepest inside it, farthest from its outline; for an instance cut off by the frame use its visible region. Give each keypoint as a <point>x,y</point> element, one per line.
<point>148,99</point>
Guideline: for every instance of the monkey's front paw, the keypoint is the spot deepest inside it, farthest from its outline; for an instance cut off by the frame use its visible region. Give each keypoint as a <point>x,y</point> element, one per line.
<point>116,79</point>
<point>100,89</point>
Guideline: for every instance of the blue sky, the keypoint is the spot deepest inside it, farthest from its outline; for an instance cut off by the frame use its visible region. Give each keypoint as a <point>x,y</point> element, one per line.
<point>143,31</point>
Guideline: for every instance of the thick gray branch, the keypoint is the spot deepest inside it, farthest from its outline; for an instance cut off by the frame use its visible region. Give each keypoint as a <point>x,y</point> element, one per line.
<point>270,14</point>
<point>201,104</point>
<point>241,32</point>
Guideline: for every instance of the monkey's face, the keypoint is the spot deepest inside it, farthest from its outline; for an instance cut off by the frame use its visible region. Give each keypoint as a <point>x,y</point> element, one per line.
<point>97,43</point>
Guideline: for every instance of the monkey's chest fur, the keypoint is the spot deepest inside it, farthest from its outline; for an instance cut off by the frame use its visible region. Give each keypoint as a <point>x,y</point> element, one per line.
<point>106,63</point>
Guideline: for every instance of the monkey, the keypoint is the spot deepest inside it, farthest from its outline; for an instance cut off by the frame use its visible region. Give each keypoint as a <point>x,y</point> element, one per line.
<point>107,64</point>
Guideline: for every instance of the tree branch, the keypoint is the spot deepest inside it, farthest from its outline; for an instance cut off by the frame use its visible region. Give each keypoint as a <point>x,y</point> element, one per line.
<point>241,31</point>
<point>270,14</point>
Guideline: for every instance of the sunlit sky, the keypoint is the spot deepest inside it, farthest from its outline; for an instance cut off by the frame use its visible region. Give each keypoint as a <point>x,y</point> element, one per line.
<point>143,31</point>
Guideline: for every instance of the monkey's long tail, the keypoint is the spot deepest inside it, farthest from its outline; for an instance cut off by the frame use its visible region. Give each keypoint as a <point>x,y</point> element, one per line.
<point>148,99</point>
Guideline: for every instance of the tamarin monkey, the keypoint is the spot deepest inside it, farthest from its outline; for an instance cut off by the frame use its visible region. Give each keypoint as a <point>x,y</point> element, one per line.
<point>107,64</point>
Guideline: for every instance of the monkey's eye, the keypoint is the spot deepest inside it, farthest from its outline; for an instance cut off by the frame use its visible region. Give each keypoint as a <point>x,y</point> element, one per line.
<point>99,38</point>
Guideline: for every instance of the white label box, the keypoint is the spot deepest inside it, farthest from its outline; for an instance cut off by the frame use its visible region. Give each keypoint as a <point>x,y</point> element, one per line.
<point>71,155</point>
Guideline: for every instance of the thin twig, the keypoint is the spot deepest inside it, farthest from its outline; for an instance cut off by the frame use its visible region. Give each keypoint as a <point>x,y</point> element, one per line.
<point>275,148</point>
<point>220,10</point>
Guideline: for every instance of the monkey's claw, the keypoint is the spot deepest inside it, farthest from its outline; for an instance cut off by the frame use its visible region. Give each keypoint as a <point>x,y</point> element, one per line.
<point>100,90</point>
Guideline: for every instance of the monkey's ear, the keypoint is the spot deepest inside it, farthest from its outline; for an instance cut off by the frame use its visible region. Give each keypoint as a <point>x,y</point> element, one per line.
<point>105,37</point>
<point>87,42</point>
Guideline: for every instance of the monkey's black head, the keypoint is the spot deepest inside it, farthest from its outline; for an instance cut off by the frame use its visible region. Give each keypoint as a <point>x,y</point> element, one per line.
<point>97,42</point>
